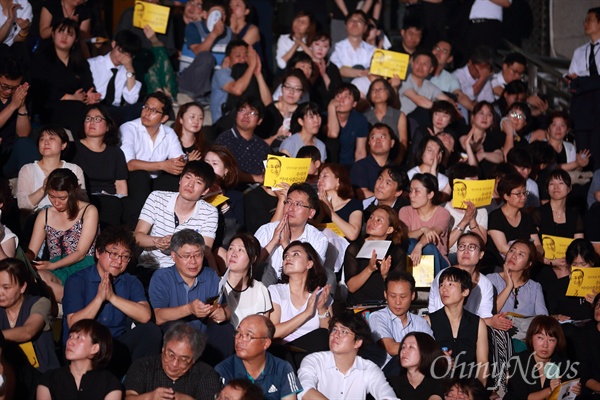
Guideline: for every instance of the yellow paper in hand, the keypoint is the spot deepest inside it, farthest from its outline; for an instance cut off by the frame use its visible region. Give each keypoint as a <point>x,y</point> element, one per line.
<point>389,63</point>
<point>286,169</point>
<point>555,246</point>
<point>216,200</point>
<point>478,192</point>
<point>333,226</point>
<point>583,281</point>
<point>151,14</point>
<point>29,351</point>
<point>423,272</point>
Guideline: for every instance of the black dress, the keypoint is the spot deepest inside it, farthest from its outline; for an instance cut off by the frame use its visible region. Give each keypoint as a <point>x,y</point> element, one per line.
<point>497,221</point>
<point>94,385</point>
<point>428,387</point>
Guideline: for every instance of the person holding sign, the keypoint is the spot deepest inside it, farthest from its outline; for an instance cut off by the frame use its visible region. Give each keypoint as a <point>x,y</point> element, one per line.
<point>536,372</point>
<point>26,318</point>
<point>353,55</point>
<point>365,276</point>
<point>427,222</point>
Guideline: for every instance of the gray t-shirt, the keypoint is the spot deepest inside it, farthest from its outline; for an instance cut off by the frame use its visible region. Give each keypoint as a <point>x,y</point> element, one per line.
<point>293,143</point>
<point>427,90</point>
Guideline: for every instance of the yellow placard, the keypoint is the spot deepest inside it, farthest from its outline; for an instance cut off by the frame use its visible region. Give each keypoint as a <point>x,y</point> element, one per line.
<point>333,226</point>
<point>564,391</point>
<point>216,200</point>
<point>555,246</point>
<point>389,63</point>
<point>477,192</point>
<point>423,272</point>
<point>286,169</point>
<point>151,14</point>
<point>29,351</point>
<point>584,281</point>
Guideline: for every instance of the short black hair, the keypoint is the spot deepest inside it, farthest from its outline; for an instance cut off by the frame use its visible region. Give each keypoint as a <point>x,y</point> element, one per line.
<point>509,182</point>
<point>309,190</point>
<point>115,234</point>
<point>482,55</point>
<point>515,87</point>
<point>165,101</point>
<point>11,68</point>
<point>202,170</point>
<point>412,22</point>
<point>99,334</point>
<point>583,248</point>
<point>233,44</point>
<point>595,10</point>
<point>512,58</point>
<point>454,274</point>
<point>251,102</point>
<point>302,110</point>
<point>398,175</point>
<point>355,322</point>
<point>519,157</point>
<point>426,53</point>
<point>461,171</point>
<point>311,152</point>
<point>357,12</point>
<point>342,87</point>
<point>128,41</point>
<point>401,276</point>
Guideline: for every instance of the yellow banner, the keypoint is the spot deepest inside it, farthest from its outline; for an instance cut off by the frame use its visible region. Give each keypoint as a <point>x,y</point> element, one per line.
<point>389,63</point>
<point>333,226</point>
<point>423,272</point>
<point>478,192</point>
<point>584,281</point>
<point>286,169</point>
<point>555,246</point>
<point>216,200</point>
<point>151,14</point>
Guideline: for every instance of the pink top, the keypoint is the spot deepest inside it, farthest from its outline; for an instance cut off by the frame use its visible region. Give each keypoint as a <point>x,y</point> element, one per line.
<point>440,218</point>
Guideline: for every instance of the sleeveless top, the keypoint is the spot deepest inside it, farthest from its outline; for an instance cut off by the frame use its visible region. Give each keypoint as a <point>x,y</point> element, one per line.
<point>43,343</point>
<point>466,341</point>
<point>61,243</point>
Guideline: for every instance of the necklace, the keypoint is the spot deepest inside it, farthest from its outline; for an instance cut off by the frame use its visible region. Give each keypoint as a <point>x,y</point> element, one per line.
<point>558,213</point>
<point>65,12</point>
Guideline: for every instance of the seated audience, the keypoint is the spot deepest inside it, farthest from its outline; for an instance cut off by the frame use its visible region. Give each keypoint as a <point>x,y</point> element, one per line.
<point>240,389</point>
<point>240,11</point>
<point>165,213</point>
<point>152,151</point>
<point>388,190</point>
<point>517,127</point>
<point>25,317</point>
<point>103,164</point>
<point>391,325</point>
<point>68,229</point>
<point>465,388</point>
<point>364,173</point>
<point>516,292</point>
<point>475,78</point>
<point>522,161</point>
<point>245,296</point>
<point>443,118</point>
<point>301,303</point>
<point>188,127</point>
<point>305,125</point>
<point>546,345</point>
<point>459,330</point>
<point>273,375</point>
<point>32,188</point>
<point>54,11</point>
<point>88,350</point>
<point>175,372</point>
<point>589,355</point>
<point>337,201</point>
<point>106,293</point>
<point>303,30</point>
<point>427,223</point>
<point>326,76</point>
<point>411,34</point>
<point>428,160</point>
<point>365,277</point>
<point>352,55</point>
<point>420,378</point>
<point>341,373</point>
<point>444,55</point>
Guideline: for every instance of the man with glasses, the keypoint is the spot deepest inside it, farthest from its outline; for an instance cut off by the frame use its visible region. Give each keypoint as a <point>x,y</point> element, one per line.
<point>340,373</point>
<point>353,55</point>
<point>251,360</point>
<point>300,205</point>
<point>114,77</point>
<point>175,373</point>
<point>248,149</point>
<point>153,153</point>
<point>106,293</point>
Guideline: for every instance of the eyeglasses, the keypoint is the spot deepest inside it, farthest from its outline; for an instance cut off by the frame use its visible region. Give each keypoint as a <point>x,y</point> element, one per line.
<point>292,89</point>
<point>189,257</point>
<point>8,88</point>
<point>96,119</point>
<point>291,203</point>
<point>198,4</point>
<point>517,115</point>
<point>180,360</point>
<point>524,193</point>
<point>438,48</point>
<point>246,337</point>
<point>340,332</point>
<point>470,247</point>
<point>152,111</point>
<point>115,256</point>
<point>246,111</point>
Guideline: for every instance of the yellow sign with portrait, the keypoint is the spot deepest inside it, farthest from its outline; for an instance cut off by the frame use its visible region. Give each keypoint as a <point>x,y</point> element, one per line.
<point>333,226</point>
<point>423,272</point>
<point>555,246</point>
<point>584,281</point>
<point>477,192</point>
<point>286,169</point>
<point>389,63</point>
<point>157,17</point>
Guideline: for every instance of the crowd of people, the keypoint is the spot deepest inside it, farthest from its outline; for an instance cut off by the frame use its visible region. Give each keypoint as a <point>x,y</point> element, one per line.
<point>142,256</point>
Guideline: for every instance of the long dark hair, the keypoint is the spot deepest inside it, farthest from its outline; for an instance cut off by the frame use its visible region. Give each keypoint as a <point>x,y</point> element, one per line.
<point>252,246</point>
<point>317,277</point>
<point>178,127</point>
<point>63,179</point>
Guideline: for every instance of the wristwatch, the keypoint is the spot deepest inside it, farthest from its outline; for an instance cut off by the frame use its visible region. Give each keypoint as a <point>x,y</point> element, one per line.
<point>130,74</point>
<point>326,315</point>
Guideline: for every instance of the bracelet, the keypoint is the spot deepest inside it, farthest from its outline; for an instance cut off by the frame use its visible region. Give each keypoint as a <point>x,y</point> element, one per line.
<point>323,316</point>
<point>459,228</point>
<point>25,114</point>
<point>25,35</point>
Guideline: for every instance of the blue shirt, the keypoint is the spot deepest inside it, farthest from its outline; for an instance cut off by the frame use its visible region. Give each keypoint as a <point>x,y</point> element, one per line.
<point>218,96</point>
<point>168,289</point>
<point>356,127</point>
<point>248,153</point>
<point>82,287</point>
<point>364,173</point>
<point>277,380</point>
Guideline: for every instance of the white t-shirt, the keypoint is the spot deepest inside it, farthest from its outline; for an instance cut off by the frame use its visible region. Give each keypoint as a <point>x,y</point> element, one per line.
<point>252,300</point>
<point>280,294</point>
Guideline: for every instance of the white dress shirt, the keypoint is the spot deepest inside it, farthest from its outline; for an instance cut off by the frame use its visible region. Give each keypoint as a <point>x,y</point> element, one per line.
<point>466,85</point>
<point>101,72</point>
<point>581,57</point>
<point>485,9</point>
<point>344,54</point>
<point>24,12</point>
<point>318,371</point>
<point>284,44</point>
<point>137,144</point>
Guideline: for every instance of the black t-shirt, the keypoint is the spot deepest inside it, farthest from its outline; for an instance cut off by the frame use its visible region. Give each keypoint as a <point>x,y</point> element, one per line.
<point>544,220</point>
<point>94,385</point>
<point>428,387</point>
<point>259,208</point>
<point>101,170</point>
<point>497,221</point>
<point>54,7</point>
<point>494,140</point>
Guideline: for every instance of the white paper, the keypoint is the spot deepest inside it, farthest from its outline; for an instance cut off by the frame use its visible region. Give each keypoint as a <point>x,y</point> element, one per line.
<point>380,246</point>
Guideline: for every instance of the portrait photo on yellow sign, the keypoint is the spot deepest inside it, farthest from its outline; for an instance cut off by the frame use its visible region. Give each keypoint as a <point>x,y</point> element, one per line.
<point>555,246</point>
<point>423,272</point>
<point>389,63</point>
<point>157,17</point>
<point>286,169</point>
<point>478,192</point>
<point>583,281</point>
